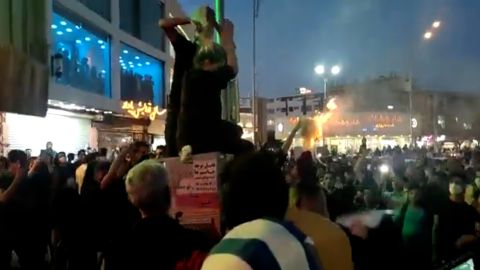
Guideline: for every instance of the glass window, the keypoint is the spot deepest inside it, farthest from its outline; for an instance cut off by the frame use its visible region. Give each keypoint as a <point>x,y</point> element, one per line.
<point>101,7</point>
<point>142,76</point>
<point>140,19</point>
<point>82,54</point>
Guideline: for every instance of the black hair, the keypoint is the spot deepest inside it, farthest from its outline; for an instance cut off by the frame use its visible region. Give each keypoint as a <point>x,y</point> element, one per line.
<point>253,187</point>
<point>80,152</point>
<point>17,156</point>
<point>3,163</point>
<point>71,156</point>
<point>103,152</point>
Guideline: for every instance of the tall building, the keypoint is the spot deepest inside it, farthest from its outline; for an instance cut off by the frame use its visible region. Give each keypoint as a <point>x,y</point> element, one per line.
<point>110,72</point>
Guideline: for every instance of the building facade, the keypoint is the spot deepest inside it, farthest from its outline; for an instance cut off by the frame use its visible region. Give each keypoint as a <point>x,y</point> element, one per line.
<point>111,68</point>
<point>386,111</point>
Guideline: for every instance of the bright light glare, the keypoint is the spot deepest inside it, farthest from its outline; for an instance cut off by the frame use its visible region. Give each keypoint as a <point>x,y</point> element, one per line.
<point>54,26</point>
<point>390,107</point>
<point>59,33</point>
<point>320,69</point>
<point>87,39</point>
<point>384,168</point>
<point>436,24</point>
<point>69,30</point>
<point>331,105</point>
<point>335,70</point>
<point>125,51</point>
<point>63,23</point>
<point>428,35</point>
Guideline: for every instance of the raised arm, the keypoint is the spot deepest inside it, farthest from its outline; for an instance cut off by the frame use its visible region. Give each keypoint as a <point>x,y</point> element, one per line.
<point>169,25</point>
<point>7,194</point>
<point>288,142</point>
<point>227,42</point>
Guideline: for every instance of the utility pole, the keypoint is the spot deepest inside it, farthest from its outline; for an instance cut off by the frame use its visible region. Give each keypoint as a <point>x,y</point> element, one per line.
<point>255,5</point>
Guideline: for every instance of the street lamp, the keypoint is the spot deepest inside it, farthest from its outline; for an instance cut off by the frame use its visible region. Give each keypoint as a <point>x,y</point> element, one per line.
<point>436,24</point>
<point>427,35</point>
<point>321,70</point>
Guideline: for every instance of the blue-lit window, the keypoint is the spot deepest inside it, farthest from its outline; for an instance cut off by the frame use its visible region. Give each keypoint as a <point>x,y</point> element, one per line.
<point>142,76</point>
<point>84,54</point>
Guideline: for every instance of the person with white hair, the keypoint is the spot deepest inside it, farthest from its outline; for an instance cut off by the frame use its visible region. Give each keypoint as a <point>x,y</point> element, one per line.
<point>158,241</point>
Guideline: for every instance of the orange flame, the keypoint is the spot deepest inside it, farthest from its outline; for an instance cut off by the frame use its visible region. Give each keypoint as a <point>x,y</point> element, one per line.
<point>313,128</point>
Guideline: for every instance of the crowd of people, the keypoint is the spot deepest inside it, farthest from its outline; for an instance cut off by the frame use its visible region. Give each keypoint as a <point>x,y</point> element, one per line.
<point>366,211</point>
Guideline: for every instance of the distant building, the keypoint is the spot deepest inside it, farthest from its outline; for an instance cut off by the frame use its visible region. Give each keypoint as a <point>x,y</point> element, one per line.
<point>380,111</point>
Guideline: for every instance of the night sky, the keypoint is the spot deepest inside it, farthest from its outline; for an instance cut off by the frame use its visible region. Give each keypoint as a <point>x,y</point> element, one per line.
<point>368,38</point>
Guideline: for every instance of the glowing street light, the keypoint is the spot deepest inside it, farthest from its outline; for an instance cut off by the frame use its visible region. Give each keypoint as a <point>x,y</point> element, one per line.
<point>335,70</point>
<point>320,69</point>
<point>436,24</point>
<point>428,35</point>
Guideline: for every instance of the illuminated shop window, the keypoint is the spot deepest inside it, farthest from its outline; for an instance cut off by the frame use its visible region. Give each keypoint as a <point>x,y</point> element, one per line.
<point>82,53</point>
<point>142,76</point>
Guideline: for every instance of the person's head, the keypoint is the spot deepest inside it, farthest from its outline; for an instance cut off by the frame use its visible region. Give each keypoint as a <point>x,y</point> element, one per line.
<point>210,57</point>
<point>413,189</point>
<point>49,145</point>
<point>60,159</point>
<point>398,185</point>
<point>139,152</point>
<point>70,157</point>
<point>270,135</point>
<point>31,162</point>
<point>3,163</point>
<point>147,188</point>
<point>456,187</point>
<point>253,187</point>
<point>160,151</point>
<point>312,198</point>
<point>101,170</point>
<point>16,159</point>
<point>81,154</point>
<point>103,152</point>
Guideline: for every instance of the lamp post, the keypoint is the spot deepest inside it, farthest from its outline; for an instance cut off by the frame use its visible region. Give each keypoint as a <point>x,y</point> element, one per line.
<point>322,71</point>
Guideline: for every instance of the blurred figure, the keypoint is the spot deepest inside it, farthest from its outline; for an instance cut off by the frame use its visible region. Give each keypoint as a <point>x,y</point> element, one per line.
<point>160,152</point>
<point>158,241</point>
<point>457,227</point>
<point>258,237</point>
<point>26,200</point>
<point>311,216</point>
<point>102,154</point>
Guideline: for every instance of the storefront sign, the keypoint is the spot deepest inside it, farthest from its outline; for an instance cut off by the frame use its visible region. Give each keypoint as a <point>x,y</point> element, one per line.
<point>142,109</point>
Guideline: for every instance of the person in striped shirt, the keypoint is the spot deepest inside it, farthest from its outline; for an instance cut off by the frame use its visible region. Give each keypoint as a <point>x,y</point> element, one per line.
<point>254,201</point>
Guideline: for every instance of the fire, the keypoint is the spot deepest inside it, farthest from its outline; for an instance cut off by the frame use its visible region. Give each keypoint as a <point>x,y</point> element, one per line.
<point>332,105</point>
<point>313,128</point>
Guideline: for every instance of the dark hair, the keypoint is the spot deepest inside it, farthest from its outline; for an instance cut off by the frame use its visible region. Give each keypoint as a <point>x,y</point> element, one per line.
<point>306,168</point>
<point>253,187</point>
<point>17,156</point>
<point>81,152</point>
<point>71,156</point>
<point>103,152</point>
<point>3,163</point>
